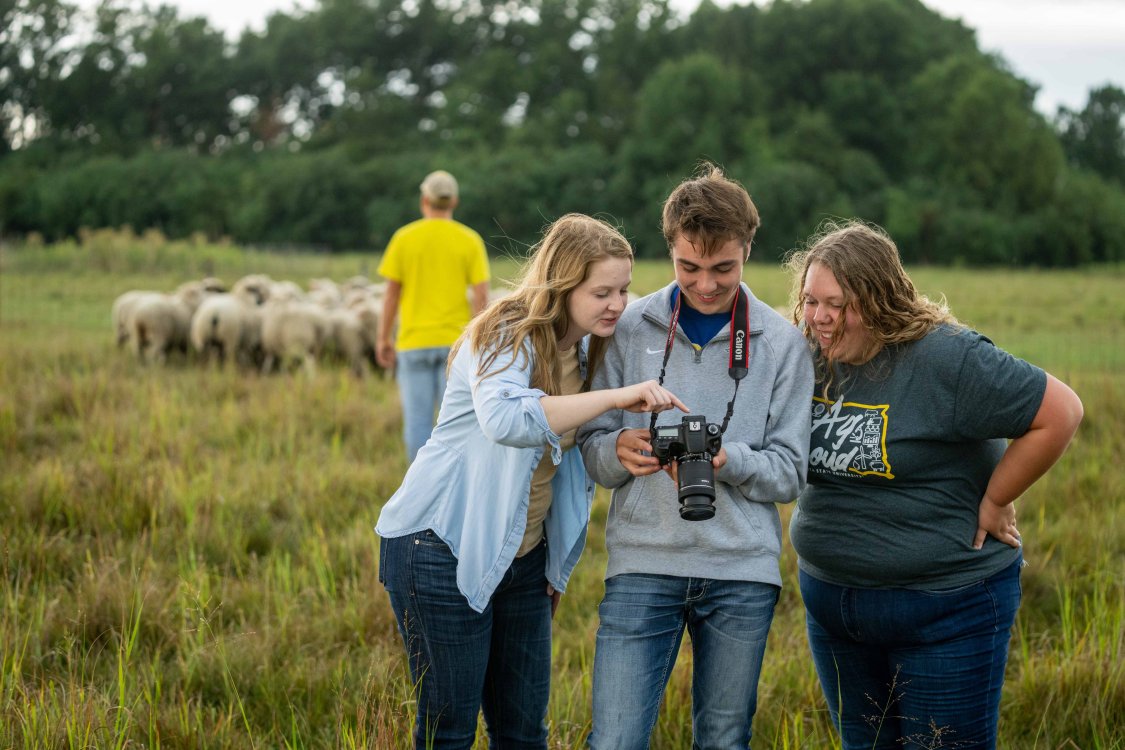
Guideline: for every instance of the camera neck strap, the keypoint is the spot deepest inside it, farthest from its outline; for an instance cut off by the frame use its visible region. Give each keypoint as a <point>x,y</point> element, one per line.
<point>739,354</point>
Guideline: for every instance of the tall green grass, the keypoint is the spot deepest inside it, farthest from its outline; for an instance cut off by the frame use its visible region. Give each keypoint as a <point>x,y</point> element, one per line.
<point>188,558</point>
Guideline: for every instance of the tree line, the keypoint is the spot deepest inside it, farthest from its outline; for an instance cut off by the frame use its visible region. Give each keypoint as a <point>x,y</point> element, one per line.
<point>317,130</point>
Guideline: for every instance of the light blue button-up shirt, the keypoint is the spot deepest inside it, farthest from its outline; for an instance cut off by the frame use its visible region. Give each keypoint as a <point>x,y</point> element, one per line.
<point>471,482</point>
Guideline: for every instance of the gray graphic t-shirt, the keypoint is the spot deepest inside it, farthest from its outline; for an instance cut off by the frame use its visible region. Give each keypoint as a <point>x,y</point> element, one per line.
<point>900,458</point>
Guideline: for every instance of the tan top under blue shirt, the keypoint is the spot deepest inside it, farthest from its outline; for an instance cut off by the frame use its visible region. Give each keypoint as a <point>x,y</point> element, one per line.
<point>570,382</point>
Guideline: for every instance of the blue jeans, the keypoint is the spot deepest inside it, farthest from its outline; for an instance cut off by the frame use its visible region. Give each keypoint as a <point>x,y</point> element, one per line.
<point>909,668</point>
<point>421,384</point>
<point>463,661</point>
<point>643,618</point>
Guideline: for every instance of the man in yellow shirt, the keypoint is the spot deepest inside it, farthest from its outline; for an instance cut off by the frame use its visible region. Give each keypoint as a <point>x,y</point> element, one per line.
<point>428,265</point>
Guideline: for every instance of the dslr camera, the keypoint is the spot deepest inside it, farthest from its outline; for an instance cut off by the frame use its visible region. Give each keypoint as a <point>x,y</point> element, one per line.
<point>691,444</point>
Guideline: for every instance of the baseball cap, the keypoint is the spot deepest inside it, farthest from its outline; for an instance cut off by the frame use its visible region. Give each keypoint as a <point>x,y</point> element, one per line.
<point>439,186</point>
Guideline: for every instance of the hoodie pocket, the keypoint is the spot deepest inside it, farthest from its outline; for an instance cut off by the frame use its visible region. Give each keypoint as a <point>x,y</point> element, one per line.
<point>757,521</point>
<point>624,500</point>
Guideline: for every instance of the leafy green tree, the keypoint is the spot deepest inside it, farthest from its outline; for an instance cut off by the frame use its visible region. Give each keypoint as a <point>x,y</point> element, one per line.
<point>868,115</point>
<point>34,50</point>
<point>89,103</point>
<point>181,89</point>
<point>800,45</point>
<point>273,76</point>
<point>314,199</point>
<point>630,40</point>
<point>917,212</point>
<point>1094,138</point>
<point>515,193</point>
<point>682,118</point>
<point>19,210</point>
<point>174,191</point>
<point>814,139</point>
<point>317,129</point>
<point>792,197</point>
<point>974,127</point>
<point>1085,223</point>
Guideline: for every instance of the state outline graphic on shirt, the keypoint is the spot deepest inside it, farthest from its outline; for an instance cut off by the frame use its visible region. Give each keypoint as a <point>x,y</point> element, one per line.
<point>856,435</point>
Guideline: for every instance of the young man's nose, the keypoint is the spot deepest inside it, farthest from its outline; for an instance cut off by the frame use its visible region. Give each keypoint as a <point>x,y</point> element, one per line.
<point>706,284</point>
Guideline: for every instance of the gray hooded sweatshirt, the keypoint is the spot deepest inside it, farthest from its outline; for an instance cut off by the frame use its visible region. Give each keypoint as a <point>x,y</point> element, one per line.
<point>767,444</point>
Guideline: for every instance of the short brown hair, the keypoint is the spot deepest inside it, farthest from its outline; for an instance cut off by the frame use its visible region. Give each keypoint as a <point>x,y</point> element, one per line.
<point>711,209</point>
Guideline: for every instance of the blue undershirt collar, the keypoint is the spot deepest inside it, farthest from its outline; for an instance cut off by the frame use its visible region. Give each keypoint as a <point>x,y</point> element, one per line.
<point>699,327</point>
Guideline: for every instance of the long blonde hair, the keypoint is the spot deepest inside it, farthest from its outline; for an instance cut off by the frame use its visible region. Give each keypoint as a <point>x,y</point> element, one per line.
<point>866,264</point>
<point>535,312</point>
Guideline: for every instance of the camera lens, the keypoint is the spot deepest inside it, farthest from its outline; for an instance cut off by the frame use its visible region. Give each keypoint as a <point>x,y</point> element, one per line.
<point>697,488</point>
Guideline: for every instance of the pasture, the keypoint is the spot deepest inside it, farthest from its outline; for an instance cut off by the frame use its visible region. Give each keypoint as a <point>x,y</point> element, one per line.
<point>187,556</point>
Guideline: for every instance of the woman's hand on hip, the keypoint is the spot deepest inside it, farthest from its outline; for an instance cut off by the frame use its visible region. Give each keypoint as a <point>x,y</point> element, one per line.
<point>997,521</point>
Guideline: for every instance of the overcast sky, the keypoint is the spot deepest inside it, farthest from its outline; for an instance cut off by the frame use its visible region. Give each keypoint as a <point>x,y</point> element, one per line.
<point>1066,47</point>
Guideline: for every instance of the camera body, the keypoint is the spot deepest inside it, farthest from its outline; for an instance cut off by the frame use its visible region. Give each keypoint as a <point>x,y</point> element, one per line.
<point>691,444</point>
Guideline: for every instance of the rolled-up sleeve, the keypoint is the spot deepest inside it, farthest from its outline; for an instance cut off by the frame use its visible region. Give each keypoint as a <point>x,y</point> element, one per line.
<point>508,408</point>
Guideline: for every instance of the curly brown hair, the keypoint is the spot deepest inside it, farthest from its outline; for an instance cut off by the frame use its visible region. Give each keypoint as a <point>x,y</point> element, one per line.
<point>866,264</point>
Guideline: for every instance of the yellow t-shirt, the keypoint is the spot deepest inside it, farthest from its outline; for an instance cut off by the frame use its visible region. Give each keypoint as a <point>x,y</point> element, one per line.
<point>540,503</point>
<point>435,261</point>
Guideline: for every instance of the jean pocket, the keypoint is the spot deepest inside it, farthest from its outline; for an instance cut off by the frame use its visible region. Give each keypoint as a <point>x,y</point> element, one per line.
<point>429,538</point>
<point>956,591</point>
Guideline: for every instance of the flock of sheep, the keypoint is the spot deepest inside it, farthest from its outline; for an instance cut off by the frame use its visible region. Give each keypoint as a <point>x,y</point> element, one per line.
<point>259,323</point>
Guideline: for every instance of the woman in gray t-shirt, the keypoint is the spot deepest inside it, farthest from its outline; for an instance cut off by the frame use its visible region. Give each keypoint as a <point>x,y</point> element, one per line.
<point>908,549</point>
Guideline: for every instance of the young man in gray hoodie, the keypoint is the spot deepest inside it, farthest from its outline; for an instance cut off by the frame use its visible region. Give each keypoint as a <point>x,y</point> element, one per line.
<point>744,368</point>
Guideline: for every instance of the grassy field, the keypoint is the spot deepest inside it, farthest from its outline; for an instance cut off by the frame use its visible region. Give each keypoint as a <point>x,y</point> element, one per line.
<point>188,558</point>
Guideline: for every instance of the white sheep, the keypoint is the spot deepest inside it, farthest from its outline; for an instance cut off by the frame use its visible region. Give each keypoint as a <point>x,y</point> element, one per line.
<point>230,327</point>
<point>355,282</point>
<point>255,287</point>
<point>285,291</point>
<point>213,285</point>
<point>352,334</point>
<point>125,303</point>
<point>122,311</point>
<point>292,332</point>
<point>326,293</point>
<point>161,323</point>
<point>372,294</point>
